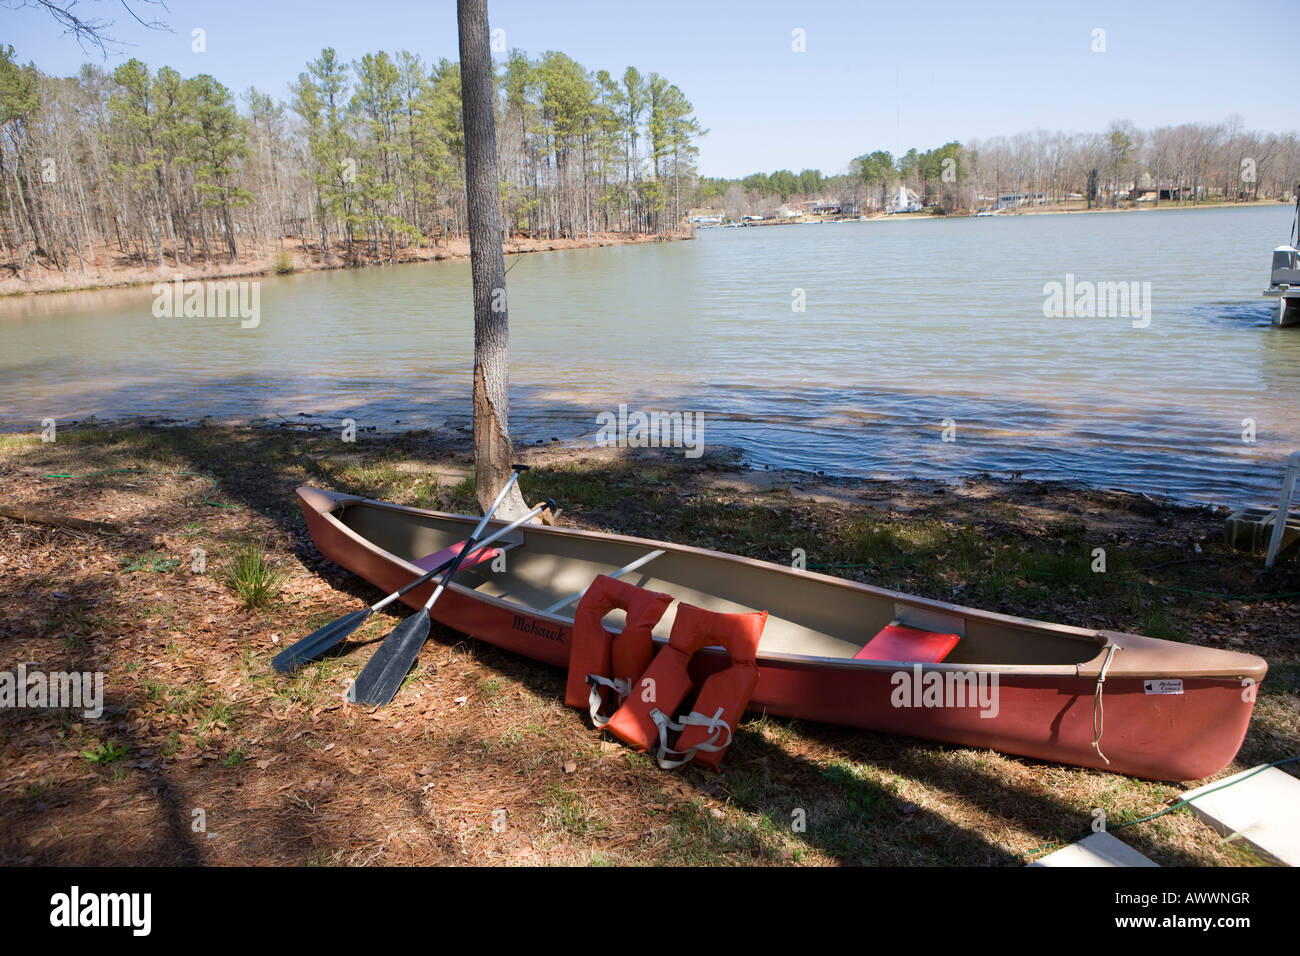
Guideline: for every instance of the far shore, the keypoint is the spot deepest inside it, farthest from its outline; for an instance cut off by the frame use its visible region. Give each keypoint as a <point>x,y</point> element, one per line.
<point>112,270</point>
<point>1057,209</point>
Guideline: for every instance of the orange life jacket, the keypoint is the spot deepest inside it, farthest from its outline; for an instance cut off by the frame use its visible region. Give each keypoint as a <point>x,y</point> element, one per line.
<point>602,664</point>
<point>704,734</point>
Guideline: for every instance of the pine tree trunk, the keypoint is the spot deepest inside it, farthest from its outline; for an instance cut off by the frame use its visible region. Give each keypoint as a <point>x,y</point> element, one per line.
<point>492,450</point>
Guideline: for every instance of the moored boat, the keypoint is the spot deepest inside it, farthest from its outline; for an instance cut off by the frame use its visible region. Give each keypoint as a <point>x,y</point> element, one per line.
<point>1284,276</point>
<point>837,651</point>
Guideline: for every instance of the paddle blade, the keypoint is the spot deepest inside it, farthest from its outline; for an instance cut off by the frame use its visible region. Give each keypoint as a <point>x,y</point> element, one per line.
<point>381,678</point>
<point>319,641</point>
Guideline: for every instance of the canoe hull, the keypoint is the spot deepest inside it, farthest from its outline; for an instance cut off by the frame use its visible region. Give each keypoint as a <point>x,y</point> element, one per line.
<point>1164,736</point>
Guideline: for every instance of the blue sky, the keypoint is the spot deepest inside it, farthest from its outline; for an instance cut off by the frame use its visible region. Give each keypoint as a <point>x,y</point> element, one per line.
<point>969,70</point>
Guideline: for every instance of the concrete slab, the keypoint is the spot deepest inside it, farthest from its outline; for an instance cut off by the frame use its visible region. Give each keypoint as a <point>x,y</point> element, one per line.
<point>1097,849</point>
<point>1264,809</point>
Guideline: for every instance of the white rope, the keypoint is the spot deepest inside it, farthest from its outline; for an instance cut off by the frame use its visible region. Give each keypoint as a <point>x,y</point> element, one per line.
<point>1098,712</point>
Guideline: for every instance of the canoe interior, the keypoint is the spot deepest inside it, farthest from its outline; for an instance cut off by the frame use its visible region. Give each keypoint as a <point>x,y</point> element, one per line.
<point>807,616</point>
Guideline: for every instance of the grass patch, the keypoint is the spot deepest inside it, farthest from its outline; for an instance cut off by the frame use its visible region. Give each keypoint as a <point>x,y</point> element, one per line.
<point>220,714</point>
<point>699,837</point>
<point>568,812</point>
<point>105,754</point>
<point>153,562</point>
<point>462,497</point>
<point>251,576</point>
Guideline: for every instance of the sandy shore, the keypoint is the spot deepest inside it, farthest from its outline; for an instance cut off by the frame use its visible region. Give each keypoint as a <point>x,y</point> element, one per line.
<point>112,270</point>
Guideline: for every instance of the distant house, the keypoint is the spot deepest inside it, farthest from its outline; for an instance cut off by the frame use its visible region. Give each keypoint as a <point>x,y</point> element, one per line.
<point>704,215</point>
<point>826,207</point>
<point>905,201</point>
<point>1145,190</point>
<point>1015,200</point>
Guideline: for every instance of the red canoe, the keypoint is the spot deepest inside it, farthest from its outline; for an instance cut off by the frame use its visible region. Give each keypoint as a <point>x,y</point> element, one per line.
<point>837,651</point>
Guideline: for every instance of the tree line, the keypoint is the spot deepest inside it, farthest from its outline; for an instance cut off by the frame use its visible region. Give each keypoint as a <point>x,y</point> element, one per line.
<point>1190,163</point>
<point>365,159</point>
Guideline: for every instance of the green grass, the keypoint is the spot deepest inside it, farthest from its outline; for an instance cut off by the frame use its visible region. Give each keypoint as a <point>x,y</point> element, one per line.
<point>377,479</point>
<point>283,262</point>
<point>220,714</point>
<point>463,496</point>
<point>105,754</point>
<point>151,561</point>
<point>12,442</point>
<point>425,494</point>
<point>255,581</point>
<point>308,686</point>
<point>699,838</point>
<point>570,813</point>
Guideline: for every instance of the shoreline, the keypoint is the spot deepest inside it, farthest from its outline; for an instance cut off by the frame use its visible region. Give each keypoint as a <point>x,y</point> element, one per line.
<point>305,260</point>
<point>815,484</point>
<point>1028,211</point>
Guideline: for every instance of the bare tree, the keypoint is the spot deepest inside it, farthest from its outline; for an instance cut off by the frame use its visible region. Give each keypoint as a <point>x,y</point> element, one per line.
<point>493,453</point>
<point>92,31</point>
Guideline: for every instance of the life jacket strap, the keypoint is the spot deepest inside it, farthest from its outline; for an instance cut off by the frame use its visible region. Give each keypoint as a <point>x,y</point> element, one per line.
<point>715,725</point>
<point>596,700</point>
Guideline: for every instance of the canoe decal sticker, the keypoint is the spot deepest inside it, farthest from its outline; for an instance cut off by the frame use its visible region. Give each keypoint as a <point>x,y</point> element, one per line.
<point>1163,686</point>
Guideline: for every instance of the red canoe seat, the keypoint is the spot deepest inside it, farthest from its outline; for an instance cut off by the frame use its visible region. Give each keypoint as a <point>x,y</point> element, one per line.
<point>899,643</point>
<point>478,556</point>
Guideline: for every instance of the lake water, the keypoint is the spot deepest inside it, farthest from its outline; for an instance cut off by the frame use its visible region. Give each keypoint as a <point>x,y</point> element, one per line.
<point>906,326</point>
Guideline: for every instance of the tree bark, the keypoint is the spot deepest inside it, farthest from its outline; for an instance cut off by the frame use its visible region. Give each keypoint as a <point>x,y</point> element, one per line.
<point>493,453</point>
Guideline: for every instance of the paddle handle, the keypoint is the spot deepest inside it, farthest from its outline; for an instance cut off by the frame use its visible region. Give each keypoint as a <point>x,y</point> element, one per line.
<point>515,472</point>
<point>547,505</point>
<point>470,543</point>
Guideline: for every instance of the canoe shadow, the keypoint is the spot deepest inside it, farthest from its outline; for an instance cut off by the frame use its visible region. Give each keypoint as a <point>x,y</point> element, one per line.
<point>862,798</point>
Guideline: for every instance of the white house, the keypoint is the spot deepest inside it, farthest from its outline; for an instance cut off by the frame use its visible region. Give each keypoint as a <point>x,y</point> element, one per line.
<point>905,201</point>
